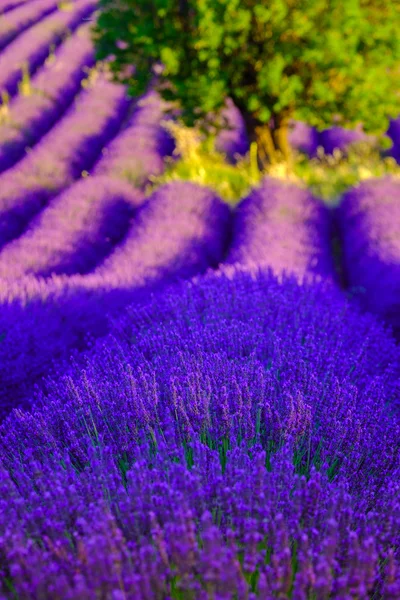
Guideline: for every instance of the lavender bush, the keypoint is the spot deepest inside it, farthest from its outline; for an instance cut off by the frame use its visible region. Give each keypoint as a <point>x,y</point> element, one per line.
<point>198,454</point>
<point>32,47</point>
<point>369,218</point>
<point>284,227</point>
<point>52,90</point>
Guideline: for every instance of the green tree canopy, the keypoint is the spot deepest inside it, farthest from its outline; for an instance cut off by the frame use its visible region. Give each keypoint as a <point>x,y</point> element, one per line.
<point>321,61</point>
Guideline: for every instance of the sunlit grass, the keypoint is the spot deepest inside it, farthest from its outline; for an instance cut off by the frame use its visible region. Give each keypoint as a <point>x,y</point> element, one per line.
<point>65,6</point>
<point>196,160</point>
<point>327,176</point>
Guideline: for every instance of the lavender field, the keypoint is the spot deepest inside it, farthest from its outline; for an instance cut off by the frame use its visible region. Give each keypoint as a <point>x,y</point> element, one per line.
<point>198,401</point>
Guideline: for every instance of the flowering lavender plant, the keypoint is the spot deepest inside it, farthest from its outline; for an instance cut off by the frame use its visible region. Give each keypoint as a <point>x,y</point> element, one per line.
<point>195,453</point>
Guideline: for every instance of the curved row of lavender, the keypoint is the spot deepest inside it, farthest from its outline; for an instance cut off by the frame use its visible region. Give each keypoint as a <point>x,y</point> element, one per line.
<point>283,227</point>
<point>76,232</point>
<point>141,147</point>
<point>234,140</point>
<point>32,47</point>
<point>369,218</point>
<point>14,22</point>
<point>234,437</point>
<point>180,231</point>
<point>59,158</point>
<point>52,90</point>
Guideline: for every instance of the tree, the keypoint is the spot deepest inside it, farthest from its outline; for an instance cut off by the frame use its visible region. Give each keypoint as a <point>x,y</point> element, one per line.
<point>322,61</point>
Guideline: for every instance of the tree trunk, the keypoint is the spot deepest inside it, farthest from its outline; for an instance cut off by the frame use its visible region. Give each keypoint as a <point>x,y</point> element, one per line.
<point>281,139</point>
<point>272,140</point>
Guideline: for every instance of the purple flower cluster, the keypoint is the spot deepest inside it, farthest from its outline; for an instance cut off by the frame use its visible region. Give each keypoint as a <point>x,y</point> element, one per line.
<point>182,230</point>
<point>234,437</point>
<point>14,22</point>
<point>369,217</point>
<point>76,232</point>
<point>141,147</point>
<point>282,226</point>
<point>32,47</point>
<point>61,155</point>
<point>52,91</point>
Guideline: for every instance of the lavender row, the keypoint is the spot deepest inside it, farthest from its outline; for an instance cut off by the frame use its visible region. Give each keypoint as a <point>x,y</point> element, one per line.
<point>15,22</point>
<point>61,155</point>
<point>181,230</point>
<point>32,47</point>
<point>198,450</point>
<point>6,5</point>
<point>369,218</point>
<point>285,228</point>
<point>52,91</point>
<point>394,134</point>
<point>307,139</point>
<point>140,149</point>
<point>76,232</point>
<point>233,140</point>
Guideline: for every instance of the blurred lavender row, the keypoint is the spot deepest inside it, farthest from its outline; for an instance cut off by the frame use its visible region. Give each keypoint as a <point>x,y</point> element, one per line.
<point>141,147</point>
<point>306,139</point>
<point>74,234</point>
<point>182,230</point>
<point>394,134</point>
<point>61,155</point>
<point>234,432</point>
<point>16,21</point>
<point>52,90</point>
<point>32,47</point>
<point>283,227</point>
<point>369,218</point>
<point>234,140</point>
<point>6,5</point>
